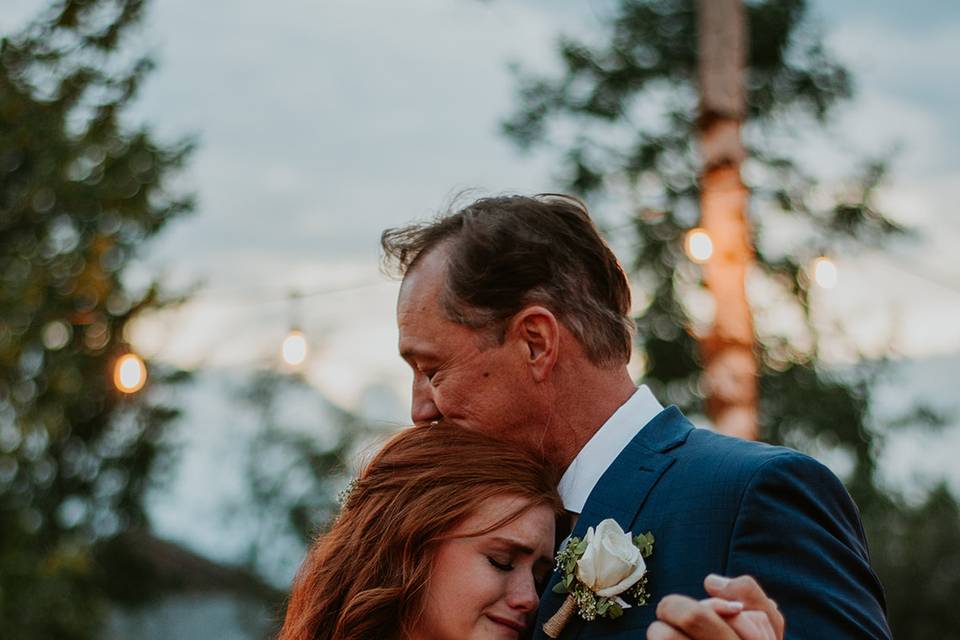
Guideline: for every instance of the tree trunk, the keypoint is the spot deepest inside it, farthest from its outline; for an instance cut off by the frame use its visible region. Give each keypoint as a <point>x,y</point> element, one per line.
<point>730,366</point>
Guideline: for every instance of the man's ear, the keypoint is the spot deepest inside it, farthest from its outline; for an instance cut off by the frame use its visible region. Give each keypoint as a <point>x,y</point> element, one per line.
<point>538,331</point>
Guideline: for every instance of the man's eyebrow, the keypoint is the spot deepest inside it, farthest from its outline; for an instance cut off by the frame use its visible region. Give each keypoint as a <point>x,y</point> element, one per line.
<point>411,353</point>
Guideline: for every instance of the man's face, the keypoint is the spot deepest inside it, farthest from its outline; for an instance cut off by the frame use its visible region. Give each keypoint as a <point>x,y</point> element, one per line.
<point>488,389</point>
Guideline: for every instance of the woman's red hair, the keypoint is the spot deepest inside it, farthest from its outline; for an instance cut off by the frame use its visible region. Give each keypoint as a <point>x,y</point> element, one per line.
<point>367,576</point>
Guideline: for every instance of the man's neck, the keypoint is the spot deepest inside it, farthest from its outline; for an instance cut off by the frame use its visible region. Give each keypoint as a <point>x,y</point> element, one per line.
<point>586,404</point>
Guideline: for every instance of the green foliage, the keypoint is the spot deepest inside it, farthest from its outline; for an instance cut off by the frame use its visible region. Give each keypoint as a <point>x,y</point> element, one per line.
<point>624,115</point>
<point>80,191</point>
<point>915,546</point>
<point>644,542</point>
<point>294,479</point>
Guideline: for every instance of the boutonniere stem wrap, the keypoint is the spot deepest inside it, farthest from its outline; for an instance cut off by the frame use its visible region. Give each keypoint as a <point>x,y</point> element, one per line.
<point>597,571</point>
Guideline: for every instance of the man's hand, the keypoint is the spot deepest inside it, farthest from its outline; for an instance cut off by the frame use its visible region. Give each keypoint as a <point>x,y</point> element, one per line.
<point>738,610</point>
<point>745,589</point>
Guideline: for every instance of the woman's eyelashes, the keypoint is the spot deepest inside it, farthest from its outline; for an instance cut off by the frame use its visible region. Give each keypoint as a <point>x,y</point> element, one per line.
<point>540,578</point>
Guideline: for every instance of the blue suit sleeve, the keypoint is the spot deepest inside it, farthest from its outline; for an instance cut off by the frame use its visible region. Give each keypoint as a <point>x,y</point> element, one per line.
<point>799,534</point>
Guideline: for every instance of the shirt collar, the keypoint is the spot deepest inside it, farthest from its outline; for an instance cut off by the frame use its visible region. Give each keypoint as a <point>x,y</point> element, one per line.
<point>603,448</point>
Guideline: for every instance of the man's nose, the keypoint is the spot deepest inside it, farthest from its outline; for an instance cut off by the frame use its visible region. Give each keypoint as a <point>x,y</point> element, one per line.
<point>423,410</point>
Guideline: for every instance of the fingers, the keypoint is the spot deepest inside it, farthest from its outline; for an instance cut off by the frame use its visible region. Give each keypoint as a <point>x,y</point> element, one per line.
<point>682,618</point>
<point>753,625</point>
<point>742,588</point>
<point>724,608</point>
<point>693,619</point>
<point>749,625</point>
<point>746,590</point>
<point>661,631</point>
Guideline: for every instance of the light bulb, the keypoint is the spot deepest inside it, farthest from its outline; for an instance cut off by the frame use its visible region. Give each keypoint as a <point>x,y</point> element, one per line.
<point>698,245</point>
<point>129,373</point>
<point>294,348</point>
<point>825,272</point>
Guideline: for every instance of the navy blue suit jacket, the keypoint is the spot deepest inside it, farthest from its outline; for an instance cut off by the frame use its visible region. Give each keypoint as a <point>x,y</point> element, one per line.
<point>722,505</point>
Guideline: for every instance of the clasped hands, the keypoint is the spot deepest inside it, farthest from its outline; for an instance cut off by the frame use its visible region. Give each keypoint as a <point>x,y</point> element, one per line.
<point>737,609</point>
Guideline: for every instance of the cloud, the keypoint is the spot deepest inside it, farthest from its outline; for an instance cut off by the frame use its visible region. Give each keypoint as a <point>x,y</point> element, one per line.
<point>322,123</point>
<point>913,69</point>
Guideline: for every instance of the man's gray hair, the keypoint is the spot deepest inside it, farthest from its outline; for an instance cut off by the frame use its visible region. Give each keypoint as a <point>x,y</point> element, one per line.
<point>509,252</point>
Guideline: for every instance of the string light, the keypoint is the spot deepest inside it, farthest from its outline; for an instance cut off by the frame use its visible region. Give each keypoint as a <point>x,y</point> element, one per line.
<point>698,245</point>
<point>825,272</point>
<point>294,348</point>
<point>129,373</point>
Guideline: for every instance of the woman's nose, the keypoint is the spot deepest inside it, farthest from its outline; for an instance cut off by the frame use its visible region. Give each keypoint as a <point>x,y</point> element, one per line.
<point>523,594</point>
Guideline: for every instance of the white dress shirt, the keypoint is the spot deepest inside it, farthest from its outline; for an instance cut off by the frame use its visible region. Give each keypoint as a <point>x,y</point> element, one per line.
<point>603,448</point>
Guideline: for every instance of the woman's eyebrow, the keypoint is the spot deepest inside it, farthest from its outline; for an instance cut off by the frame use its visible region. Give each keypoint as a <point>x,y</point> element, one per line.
<point>516,544</point>
<point>521,547</point>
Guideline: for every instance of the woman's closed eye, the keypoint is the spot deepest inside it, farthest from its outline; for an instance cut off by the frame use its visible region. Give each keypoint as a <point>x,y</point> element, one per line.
<point>502,566</point>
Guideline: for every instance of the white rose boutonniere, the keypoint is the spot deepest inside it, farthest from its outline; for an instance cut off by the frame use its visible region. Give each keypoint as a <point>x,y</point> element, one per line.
<point>611,563</point>
<point>597,570</point>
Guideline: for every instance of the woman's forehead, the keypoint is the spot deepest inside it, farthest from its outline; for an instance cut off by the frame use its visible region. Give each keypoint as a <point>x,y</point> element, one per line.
<point>532,529</point>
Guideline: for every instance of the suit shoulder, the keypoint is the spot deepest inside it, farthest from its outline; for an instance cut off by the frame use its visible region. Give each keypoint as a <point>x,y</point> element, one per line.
<point>744,458</point>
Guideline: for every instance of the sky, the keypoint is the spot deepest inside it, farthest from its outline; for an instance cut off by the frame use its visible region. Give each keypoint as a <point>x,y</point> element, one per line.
<point>320,124</point>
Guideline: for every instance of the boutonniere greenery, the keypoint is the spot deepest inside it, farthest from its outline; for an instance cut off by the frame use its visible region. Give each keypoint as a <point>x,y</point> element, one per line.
<point>597,571</point>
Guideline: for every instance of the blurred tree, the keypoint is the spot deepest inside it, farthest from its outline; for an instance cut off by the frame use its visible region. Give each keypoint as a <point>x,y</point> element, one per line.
<point>727,348</point>
<point>80,192</point>
<point>624,113</point>
<point>297,463</point>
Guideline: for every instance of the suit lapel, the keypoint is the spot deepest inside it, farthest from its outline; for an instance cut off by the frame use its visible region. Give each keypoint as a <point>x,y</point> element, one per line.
<point>621,492</point>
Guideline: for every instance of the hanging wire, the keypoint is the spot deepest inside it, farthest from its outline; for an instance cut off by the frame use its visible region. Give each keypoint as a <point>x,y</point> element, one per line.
<point>270,296</point>
<point>926,276</point>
